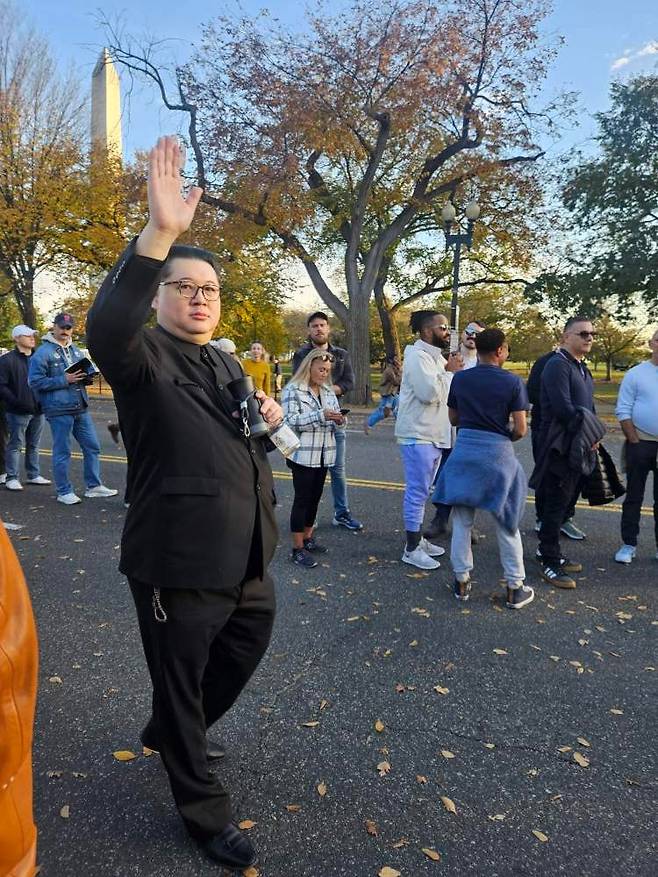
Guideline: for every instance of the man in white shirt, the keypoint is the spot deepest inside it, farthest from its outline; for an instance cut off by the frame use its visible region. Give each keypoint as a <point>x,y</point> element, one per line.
<point>422,427</point>
<point>637,412</point>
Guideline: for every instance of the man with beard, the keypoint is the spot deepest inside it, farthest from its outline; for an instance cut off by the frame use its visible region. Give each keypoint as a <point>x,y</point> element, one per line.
<point>422,428</point>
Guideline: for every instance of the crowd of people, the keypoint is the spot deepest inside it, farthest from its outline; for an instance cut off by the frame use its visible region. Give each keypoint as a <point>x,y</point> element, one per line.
<point>198,466</point>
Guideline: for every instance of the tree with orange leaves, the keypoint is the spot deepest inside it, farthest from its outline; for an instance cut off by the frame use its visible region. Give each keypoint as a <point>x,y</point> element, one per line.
<point>344,141</point>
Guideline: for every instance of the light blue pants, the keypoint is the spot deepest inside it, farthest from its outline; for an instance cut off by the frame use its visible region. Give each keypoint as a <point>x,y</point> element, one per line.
<point>510,548</point>
<point>81,427</point>
<point>384,403</point>
<point>420,463</point>
<point>24,431</point>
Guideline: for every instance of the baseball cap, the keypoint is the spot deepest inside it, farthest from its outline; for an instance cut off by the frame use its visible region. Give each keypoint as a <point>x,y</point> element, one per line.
<point>226,345</point>
<point>22,330</point>
<point>64,320</point>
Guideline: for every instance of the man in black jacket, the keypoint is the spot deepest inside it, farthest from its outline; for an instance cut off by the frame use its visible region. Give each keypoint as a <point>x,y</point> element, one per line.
<point>533,386</point>
<point>23,412</point>
<point>342,375</point>
<point>200,531</point>
<point>566,385</point>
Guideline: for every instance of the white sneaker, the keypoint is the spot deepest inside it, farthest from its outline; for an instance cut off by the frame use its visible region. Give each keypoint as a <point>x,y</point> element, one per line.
<point>13,484</point>
<point>38,480</point>
<point>625,554</point>
<point>3,478</point>
<point>420,558</point>
<point>100,490</point>
<point>69,498</point>
<point>430,548</point>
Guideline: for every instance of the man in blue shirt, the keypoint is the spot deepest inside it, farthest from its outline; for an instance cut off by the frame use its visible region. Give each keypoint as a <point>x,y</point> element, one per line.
<point>482,471</point>
<point>637,412</point>
<point>566,386</point>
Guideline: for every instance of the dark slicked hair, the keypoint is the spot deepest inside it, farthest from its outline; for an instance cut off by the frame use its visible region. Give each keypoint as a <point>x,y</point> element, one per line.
<point>580,318</point>
<point>317,315</point>
<point>489,340</point>
<point>419,319</point>
<point>185,251</point>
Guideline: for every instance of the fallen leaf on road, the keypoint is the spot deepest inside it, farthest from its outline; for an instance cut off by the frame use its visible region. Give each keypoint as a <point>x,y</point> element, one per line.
<point>56,680</point>
<point>432,854</point>
<point>388,872</point>
<point>500,652</point>
<point>421,779</point>
<point>616,712</point>
<point>246,824</point>
<point>536,648</point>
<point>446,753</point>
<point>580,759</point>
<point>400,688</point>
<point>540,835</point>
<point>449,804</point>
<point>575,663</point>
<point>583,742</point>
<point>310,724</point>
<point>371,827</point>
<point>383,767</point>
<point>124,755</point>
<point>324,704</point>
<point>379,726</point>
<point>251,872</point>
<point>293,808</point>
<point>403,842</point>
<point>489,745</point>
<point>322,789</point>
<point>65,812</point>
<point>418,610</point>
<point>564,749</point>
<point>441,690</point>
<point>416,575</point>
<point>497,817</point>
<point>54,774</point>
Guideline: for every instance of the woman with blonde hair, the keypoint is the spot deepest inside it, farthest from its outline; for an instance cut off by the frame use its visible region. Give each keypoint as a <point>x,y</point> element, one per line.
<point>312,411</point>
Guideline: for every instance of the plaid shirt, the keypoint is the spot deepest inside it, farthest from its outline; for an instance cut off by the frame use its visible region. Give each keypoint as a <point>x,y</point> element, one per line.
<point>304,414</point>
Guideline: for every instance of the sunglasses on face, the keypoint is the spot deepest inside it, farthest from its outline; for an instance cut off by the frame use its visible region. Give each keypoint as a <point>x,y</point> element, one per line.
<point>585,335</point>
<point>471,334</point>
<point>443,327</point>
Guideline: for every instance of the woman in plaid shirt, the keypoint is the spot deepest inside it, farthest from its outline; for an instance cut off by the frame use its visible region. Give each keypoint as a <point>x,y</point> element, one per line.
<point>312,410</point>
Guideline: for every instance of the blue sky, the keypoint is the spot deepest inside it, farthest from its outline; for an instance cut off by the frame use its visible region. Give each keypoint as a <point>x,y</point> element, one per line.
<point>604,39</point>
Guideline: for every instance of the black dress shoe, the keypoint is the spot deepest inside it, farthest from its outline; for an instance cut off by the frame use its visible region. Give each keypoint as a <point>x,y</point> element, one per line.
<point>231,848</point>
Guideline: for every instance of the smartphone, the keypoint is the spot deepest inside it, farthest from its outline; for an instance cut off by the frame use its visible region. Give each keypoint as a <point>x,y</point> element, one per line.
<point>345,411</point>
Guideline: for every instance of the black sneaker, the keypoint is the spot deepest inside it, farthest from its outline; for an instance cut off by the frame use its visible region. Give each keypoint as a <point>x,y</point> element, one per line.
<point>461,590</point>
<point>517,598</point>
<point>314,547</point>
<point>301,557</point>
<point>346,520</point>
<point>557,577</point>
<point>566,565</point>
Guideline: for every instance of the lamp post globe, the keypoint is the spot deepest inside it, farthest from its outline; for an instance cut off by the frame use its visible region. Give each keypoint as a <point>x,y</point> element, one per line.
<point>472,210</point>
<point>448,213</point>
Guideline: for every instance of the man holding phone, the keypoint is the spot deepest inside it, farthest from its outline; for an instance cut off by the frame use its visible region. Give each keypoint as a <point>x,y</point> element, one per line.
<point>60,388</point>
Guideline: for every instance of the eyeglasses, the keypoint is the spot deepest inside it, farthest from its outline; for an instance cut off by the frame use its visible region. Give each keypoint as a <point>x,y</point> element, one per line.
<point>188,289</point>
<point>585,335</point>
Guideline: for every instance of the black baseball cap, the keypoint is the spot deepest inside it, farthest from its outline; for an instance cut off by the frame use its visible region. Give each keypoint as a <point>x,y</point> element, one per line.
<point>64,320</point>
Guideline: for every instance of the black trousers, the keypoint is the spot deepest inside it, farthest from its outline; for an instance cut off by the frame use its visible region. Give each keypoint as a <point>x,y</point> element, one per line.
<point>556,496</point>
<point>199,660</point>
<point>571,510</point>
<point>308,482</point>
<point>640,460</point>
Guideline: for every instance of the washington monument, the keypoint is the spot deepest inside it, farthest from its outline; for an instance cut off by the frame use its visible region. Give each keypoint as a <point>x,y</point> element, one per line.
<point>106,107</point>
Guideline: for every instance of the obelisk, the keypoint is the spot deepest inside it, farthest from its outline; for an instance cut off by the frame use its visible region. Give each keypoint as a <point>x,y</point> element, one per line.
<point>106,107</point>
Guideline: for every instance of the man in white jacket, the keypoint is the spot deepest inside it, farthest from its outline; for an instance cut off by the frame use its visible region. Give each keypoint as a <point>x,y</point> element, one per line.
<point>422,427</point>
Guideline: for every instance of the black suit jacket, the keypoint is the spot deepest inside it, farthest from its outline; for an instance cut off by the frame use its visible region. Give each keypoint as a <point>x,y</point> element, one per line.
<point>201,499</point>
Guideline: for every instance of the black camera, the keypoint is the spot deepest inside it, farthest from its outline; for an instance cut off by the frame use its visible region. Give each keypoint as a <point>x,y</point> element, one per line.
<point>244,393</point>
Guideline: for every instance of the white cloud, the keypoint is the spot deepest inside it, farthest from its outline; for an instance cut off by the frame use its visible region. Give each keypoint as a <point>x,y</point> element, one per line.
<point>650,48</point>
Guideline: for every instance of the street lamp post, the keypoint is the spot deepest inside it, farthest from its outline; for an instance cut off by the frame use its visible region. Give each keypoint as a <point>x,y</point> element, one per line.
<point>448,214</point>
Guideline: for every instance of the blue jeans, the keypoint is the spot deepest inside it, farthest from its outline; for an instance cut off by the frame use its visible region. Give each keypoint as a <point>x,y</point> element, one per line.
<point>24,430</point>
<point>420,463</point>
<point>338,477</point>
<point>81,427</point>
<point>385,402</point>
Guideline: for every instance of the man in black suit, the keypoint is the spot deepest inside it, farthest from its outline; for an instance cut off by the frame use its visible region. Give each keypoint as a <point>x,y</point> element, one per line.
<point>200,530</point>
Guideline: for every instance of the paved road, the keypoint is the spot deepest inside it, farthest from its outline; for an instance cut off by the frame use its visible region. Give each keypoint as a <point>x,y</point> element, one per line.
<point>362,638</point>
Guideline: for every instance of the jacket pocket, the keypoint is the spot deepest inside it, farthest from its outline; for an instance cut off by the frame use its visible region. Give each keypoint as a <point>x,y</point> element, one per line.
<point>196,485</point>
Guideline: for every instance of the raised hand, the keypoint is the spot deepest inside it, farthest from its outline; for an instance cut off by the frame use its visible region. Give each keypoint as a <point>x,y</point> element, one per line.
<point>170,214</point>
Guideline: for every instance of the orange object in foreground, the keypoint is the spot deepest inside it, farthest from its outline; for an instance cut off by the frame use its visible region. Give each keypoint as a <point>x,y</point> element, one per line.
<point>18,690</point>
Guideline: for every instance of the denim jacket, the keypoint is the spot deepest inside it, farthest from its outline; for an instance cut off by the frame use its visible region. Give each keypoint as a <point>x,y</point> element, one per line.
<point>46,377</point>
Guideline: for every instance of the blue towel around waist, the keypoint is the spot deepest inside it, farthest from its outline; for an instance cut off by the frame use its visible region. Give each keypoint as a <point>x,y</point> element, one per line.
<point>483,472</point>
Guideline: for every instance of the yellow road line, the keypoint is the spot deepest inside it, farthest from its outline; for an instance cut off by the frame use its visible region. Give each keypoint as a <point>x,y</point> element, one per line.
<point>372,484</point>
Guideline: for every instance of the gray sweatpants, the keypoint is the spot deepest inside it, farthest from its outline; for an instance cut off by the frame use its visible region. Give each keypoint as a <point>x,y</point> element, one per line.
<point>510,548</point>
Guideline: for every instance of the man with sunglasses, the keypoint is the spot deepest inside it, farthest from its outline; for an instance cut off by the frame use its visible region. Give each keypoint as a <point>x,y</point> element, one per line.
<point>566,386</point>
<point>467,346</point>
<point>342,375</point>
<point>200,531</point>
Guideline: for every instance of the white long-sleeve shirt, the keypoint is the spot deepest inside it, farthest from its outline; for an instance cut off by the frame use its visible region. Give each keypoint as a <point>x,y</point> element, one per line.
<point>638,398</point>
<point>423,411</point>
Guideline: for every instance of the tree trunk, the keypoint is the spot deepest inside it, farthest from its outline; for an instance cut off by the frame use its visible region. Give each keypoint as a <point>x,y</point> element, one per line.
<point>358,345</point>
<point>608,368</point>
<point>24,295</point>
<point>389,326</point>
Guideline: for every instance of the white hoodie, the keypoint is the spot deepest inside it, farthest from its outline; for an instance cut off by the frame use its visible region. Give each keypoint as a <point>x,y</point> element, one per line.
<point>422,409</point>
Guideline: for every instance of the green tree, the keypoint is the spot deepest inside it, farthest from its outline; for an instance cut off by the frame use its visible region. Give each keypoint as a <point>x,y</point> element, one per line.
<point>612,200</point>
<point>613,341</point>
